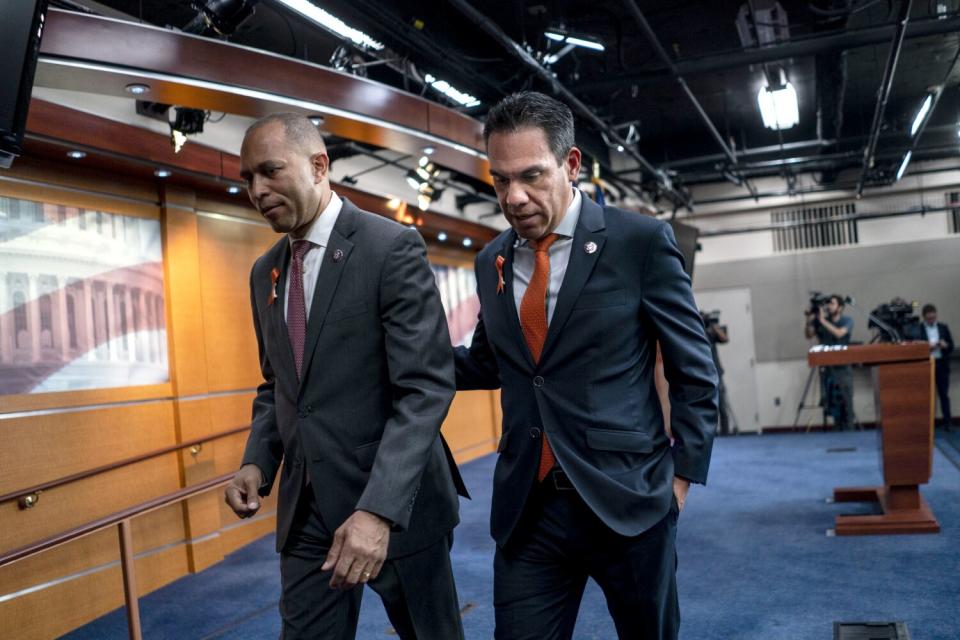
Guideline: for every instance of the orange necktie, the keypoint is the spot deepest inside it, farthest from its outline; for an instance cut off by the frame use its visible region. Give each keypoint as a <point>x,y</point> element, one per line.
<point>533,322</point>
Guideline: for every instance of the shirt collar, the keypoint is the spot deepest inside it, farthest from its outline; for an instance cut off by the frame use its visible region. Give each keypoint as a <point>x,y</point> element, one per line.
<point>568,224</point>
<point>320,229</point>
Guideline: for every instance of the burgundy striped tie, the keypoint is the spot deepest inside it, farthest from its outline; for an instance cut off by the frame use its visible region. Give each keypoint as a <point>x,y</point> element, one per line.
<point>296,306</point>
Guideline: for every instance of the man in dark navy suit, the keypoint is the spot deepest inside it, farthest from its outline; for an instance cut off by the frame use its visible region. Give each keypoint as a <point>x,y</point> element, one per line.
<point>574,299</point>
<point>937,334</point>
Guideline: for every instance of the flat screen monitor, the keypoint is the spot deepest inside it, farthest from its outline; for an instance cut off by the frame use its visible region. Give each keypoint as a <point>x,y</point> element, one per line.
<point>20,29</point>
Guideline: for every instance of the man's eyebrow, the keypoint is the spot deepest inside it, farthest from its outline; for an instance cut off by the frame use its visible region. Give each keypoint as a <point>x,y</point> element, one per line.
<point>525,171</point>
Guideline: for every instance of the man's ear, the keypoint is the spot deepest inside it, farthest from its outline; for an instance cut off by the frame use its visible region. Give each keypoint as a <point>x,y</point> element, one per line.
<point>572,164</point>
<point>321,165</point>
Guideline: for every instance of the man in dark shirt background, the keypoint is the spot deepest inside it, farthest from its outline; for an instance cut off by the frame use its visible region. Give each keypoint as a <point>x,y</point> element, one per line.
<point>831,327</point>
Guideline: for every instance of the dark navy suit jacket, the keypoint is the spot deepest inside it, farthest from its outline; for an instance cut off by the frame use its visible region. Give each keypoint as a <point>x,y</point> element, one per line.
<point>593,390</point>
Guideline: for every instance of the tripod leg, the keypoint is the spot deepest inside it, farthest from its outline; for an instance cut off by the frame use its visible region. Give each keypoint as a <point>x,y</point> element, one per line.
<point>803,398</point>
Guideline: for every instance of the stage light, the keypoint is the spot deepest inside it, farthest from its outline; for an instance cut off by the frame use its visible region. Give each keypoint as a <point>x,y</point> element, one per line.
<point>186,122</point>
<point>578,41</point>
<point>921,115</point>
<point>778,106</point>
<point>332,23</point>
<point>903,165</point>
<point>451,92</point>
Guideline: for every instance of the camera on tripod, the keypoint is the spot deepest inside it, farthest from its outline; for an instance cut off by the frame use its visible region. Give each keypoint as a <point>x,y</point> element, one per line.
<point>894,320</point>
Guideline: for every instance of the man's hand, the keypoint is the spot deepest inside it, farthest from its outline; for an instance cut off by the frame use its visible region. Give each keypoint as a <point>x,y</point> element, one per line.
<point>680,488</point>
<point>821,316</point>
<point>358,550</point>
<point>241,493</point>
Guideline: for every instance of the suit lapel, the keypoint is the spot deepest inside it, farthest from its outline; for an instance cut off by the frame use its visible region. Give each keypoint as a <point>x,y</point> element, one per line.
<point>278,322</point>
<point>335,259</point>
<point>590,228</point>
<point>507,304</point>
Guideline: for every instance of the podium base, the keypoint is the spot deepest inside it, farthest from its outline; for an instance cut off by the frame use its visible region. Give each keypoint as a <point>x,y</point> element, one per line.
<point>904,511</point>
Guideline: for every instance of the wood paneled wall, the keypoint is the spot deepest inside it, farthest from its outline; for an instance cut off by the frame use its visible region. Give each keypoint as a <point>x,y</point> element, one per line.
<point>213,374</point>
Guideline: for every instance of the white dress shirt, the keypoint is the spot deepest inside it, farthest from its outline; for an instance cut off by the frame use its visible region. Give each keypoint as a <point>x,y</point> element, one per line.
<point>319,237</point>
<point>524,260</point>
<point>933,337</point>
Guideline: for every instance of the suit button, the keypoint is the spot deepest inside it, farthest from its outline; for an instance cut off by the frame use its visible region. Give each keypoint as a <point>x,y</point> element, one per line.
<point>538,381</point>
<point>309,408</point>
<point>534,433</point>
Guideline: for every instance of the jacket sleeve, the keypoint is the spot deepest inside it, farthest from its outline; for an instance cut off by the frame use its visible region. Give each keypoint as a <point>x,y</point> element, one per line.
<point>945,332</point>
<point>420,369</point>
<point>688,364</point>
<point>264,447</point>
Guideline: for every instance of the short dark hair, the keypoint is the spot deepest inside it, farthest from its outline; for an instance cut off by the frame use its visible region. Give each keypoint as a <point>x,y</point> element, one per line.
<point>838,298</point>
<point>928,308</point>
<point>297,128</point>
<point>532,109</point>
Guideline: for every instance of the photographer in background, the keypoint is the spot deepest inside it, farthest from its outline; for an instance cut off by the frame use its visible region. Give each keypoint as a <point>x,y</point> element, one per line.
<point>938,336</point>
<point>826,322</point>
<point>717,334</point>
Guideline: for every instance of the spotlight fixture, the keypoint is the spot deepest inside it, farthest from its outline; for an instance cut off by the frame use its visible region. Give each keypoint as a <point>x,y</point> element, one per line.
<point>921,115</point>
<point>220,17</point>
<point>467,242</point>
<point>186,122</point>
<point>77,155</point>
<point>442,236</point>
<point>162,173</point>
<point>137,88</point>
<point>233,189</point>
<point>778,105</point>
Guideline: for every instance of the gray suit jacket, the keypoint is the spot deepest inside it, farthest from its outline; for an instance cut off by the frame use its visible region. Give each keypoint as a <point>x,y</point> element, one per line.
<point>592,392</point>
<point>377,381</point>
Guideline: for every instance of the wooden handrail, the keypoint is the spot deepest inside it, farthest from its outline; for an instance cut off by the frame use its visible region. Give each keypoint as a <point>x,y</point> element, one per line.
<point>112,519</point>
<point>15,495</point>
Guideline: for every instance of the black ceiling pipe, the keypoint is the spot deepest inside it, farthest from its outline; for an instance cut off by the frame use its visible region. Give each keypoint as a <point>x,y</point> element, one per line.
<point>494,31</point>
<point>665,58</point>
<point>796,48</point>
<point>884,93</point>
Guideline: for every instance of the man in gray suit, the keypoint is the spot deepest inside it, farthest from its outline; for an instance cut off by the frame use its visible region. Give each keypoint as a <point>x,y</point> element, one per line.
<point>358,377</point>
<point>574,299</point>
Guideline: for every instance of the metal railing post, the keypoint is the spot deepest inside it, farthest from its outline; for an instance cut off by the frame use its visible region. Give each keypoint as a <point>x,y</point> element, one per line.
<point>128,563</point>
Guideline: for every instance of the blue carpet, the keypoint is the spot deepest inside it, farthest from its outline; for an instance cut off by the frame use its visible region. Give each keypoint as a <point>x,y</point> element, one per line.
<point>755,563</point>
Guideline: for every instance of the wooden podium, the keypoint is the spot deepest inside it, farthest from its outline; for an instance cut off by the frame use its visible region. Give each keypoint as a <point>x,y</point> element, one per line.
<point>903,395</point>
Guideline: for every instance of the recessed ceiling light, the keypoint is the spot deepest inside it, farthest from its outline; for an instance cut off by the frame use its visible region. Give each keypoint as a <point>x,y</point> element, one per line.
<point>233,189</point>
<point>317,120</point>
<point>77,155</point>
<point>138,88</point>
<point>428,150</point>
<point>467,242</point>
<point>442,236</point>
<point>162,173</point>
